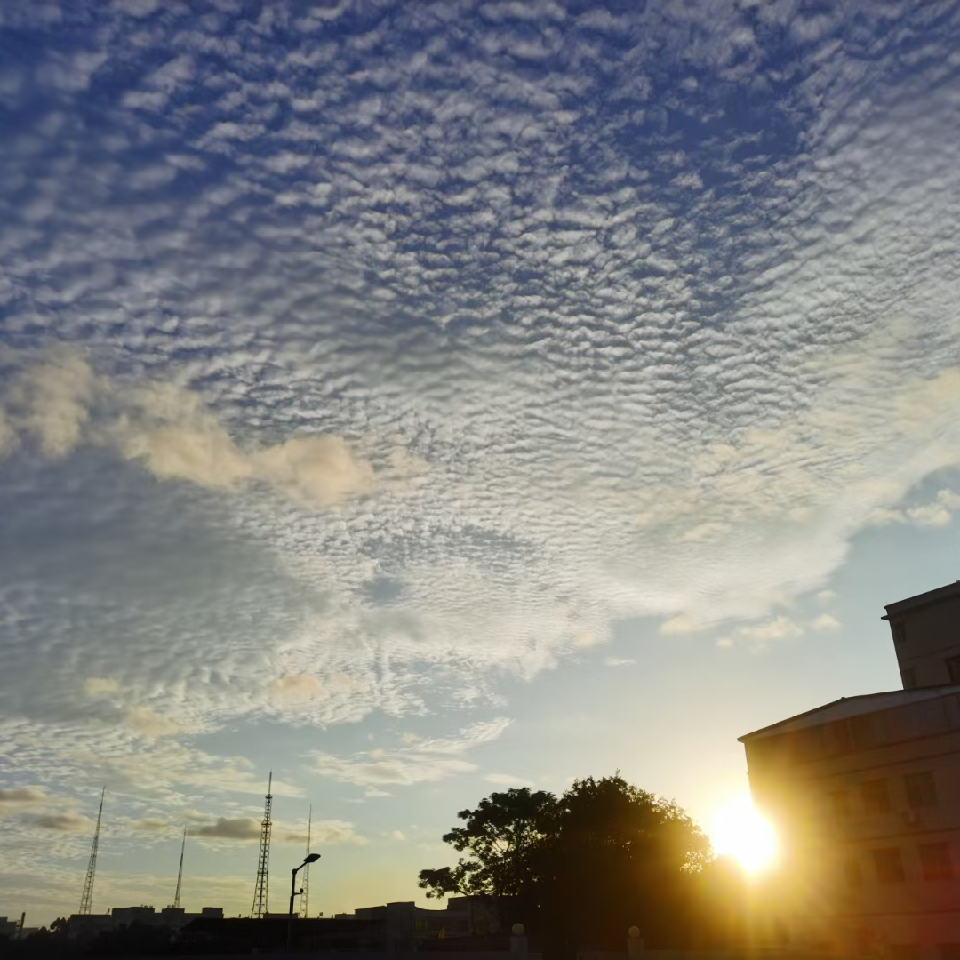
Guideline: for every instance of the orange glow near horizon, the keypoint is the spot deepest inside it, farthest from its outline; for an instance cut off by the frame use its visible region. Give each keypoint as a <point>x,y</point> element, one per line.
<point>737,829</point>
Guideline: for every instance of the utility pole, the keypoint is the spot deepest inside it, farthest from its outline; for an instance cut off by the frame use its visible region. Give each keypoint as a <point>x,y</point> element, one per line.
<point>183,844</point>
<point>305,876</point>
<point>86,900</point>
<point>261,892</point>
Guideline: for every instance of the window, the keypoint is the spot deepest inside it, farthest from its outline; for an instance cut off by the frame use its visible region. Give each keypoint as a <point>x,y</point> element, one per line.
<point>863,730</point>
<point>921,790</point>
<point>909,678</point>
<point>935,860</point>
<point>953,668</point>
<point>904,951</point>
<point>888,865</point>
<point>840,805</point>
<point>852,873</point>
<point>876,797</point>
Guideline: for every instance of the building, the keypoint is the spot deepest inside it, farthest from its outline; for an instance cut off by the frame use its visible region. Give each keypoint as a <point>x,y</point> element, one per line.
<point>406,925</point>
<point>926,637</point>
<point>87,926</point>
<point>865,793</point>
<point>269,935</point>
<point>9,928</point>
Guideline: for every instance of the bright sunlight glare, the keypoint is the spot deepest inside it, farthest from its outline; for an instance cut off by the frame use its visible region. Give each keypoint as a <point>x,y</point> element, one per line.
<point>738,830</point>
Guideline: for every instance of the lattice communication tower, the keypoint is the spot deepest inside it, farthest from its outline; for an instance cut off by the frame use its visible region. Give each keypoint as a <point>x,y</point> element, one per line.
<point>261,892</point>
<point>305,874</point>
<point>86,900</point>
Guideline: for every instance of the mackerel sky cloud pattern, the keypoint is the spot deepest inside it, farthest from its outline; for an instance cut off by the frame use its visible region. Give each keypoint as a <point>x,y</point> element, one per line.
<point>357,357</point>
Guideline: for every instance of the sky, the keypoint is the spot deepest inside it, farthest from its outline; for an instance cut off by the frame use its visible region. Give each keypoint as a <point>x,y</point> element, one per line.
<point>420,399</point>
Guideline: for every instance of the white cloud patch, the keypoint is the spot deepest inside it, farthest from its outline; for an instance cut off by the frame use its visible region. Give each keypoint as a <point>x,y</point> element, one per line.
<point>759,635</point>
<point>69,822</point>
<point>60,402</point>
<point>100,686</point>
<point>21,797</point>
<point>826,622</point>
<point>422,762</point>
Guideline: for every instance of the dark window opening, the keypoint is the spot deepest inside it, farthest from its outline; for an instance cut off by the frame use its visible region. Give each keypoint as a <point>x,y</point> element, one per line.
<point>953,669</point>
<point>876,796</point>
<point>921,790</point>
<point>888,865</point>
<point>935,860</point>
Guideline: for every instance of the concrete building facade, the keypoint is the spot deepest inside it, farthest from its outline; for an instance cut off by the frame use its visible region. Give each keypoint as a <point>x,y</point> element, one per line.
<point>865,795</point>
<point>926,637</point>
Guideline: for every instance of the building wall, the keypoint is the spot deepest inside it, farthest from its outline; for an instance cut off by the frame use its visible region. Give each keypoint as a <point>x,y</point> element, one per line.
<point>926,635</point>
<point>853,819</point>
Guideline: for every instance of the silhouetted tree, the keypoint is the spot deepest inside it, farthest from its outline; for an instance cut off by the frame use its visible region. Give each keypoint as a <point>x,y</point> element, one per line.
<point>582,867</point>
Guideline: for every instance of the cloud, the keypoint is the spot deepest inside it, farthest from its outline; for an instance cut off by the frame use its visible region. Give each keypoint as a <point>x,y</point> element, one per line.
<point>50,402</point>
<point>937,512</point>
<point>243,828</point>
<point>69,822</point>
<point>327,833</point>
<point>778,628</point>
<point>21,796</point>
<point>151,825</point>
<point>629,379</point>
<point>100,686</point>
<point>60,401</point>
<point>619,661</point>
<point>423,761</point>
<point>826,622</point>
<point>147,723</point>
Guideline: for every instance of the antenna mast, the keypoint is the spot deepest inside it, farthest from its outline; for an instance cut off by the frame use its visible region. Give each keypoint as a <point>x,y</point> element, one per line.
<point>261,892</point>
<point>305,874</point>
<point>176,899</point>
<point>86,901</point>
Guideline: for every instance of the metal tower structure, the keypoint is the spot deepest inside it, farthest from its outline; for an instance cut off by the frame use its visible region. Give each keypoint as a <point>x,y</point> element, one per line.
<point>261,892</point>
<point>86,900</point>
<point>183,844</point>
<point>305,874</point>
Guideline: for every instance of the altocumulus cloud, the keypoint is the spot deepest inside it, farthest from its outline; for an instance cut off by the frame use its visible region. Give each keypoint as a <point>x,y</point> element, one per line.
<point>60,402</point>
<point>382,376</point>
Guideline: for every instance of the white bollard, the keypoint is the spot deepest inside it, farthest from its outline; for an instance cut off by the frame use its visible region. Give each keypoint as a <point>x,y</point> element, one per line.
<point>518,941</point>
<point>634,943</point>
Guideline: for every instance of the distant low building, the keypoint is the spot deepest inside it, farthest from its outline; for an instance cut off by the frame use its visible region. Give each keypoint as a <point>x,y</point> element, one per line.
<point>87,926</point>
<point>242,935</point>
<point>407,924</point>
<point>8,928</point>
<point>865,793</point>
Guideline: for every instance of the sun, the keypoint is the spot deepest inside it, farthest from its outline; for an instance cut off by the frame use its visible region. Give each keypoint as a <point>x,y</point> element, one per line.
<point>738,830</point>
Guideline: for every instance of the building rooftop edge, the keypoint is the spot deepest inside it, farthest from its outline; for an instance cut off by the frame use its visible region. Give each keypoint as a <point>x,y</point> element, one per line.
<point>922,599</point>
<point>902,696</point>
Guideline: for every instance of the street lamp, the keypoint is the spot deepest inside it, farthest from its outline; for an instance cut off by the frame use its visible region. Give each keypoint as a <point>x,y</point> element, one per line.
<point>310,858</point>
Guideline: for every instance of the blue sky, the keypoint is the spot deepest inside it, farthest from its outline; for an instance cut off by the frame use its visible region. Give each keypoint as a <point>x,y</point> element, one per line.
<point>417,399</point>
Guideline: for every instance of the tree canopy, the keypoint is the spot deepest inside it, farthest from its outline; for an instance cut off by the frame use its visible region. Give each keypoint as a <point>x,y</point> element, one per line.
<point>583,866</point>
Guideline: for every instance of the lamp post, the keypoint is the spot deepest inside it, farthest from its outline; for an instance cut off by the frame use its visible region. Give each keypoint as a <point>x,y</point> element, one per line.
<point>310,858</point>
